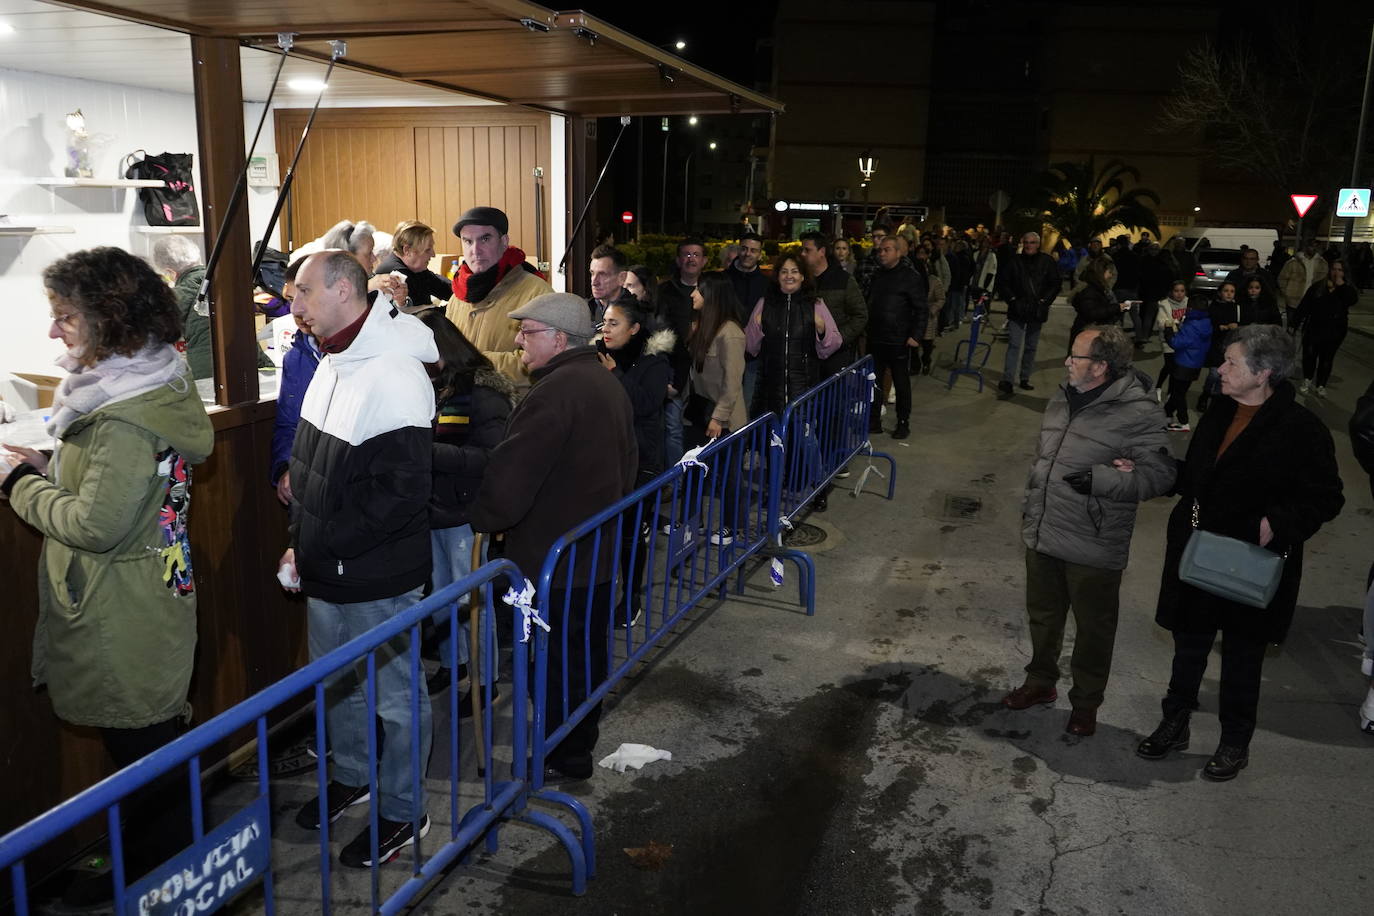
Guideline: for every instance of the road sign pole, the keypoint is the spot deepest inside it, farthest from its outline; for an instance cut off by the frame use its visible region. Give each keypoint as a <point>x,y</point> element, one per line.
<point>1359,145</point>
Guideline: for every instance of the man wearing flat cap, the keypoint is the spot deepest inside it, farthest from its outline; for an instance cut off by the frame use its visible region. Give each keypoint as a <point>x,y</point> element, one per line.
<point>569,452</point>
<point>493,281</point>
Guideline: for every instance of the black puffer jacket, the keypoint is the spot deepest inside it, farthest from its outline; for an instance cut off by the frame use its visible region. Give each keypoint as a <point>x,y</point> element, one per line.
<point>1093,305</point>
<point>1281,467</point>
<point>897,309</point>
<point>467,426</point>
<point>642,366</point>
<point>1362,433</point>
<point>788,363</point>
<point>424,287</point>
<point>1028,283</point>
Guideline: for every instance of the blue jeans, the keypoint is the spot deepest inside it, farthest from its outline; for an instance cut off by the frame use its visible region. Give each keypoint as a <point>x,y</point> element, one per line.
<point>672,428</point>
<point>332,625</point>
<point>452,561</point>
<point>1018,334</point>
<point>750,382</point>
<point>956,301</point>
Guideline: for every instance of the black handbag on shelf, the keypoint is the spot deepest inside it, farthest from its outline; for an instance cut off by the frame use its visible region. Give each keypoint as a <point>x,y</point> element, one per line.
<point>175,203</point>
<point>1230,568</point>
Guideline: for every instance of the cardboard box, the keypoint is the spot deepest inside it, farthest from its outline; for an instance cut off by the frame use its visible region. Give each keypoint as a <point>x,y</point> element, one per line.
<point>44,387</point>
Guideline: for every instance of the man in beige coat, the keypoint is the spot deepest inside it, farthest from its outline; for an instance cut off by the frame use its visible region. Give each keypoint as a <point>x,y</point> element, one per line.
<point>493,280</point>
<point>1297,276</point>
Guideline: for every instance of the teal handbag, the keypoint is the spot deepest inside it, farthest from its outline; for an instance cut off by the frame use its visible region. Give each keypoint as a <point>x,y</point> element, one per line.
<point>1230,568</point>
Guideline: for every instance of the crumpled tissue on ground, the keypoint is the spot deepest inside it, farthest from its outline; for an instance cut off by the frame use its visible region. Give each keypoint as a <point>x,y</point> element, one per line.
<point>633,755</point>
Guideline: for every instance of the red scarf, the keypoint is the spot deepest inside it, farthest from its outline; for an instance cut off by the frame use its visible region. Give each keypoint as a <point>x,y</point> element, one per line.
<point>464,285</point>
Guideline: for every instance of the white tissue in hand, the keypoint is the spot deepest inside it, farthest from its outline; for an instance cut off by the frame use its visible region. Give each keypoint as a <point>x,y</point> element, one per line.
<point>633,755</point>
<point>7,413</point>
<point>288,577</point>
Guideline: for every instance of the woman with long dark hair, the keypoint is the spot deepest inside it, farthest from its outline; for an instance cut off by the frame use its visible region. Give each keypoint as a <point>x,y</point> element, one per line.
<point>473,402</point>
<point>638,355</point>
<point>717,349</point>
<point>1324,316</point>
<point>791,331</point>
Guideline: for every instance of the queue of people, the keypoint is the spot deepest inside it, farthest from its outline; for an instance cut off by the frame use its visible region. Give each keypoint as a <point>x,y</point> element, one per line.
<point>400,437</point>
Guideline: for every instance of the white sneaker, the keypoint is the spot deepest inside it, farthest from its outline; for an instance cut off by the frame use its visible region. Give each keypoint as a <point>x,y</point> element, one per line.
<point>722,538</point>
<point>1366,668</point>
<point>1321,391</point>
<point>1306,387</point>
<point>1367,713</point>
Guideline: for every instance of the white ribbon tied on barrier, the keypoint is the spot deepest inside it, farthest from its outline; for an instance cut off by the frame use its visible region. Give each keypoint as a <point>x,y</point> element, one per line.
<point>692,459</point>
<point>524,600</point>
<point>774,439</point>
<point>775,571</point>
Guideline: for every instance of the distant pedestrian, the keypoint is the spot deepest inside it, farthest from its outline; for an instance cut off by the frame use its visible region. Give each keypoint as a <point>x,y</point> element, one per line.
<point>674,303</point>
<point>1102,451</point>
<point>1324,317</point>
<point>1190,341</point>
<point>1298,275</point>
<point>844,254</point>
<point>1029,283</point>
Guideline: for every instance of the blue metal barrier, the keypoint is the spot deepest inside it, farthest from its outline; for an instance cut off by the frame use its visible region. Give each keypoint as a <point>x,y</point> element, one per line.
<point>717,513</point>
<point>821,432</point>
<point>971,347</point>
<point>249,829</point>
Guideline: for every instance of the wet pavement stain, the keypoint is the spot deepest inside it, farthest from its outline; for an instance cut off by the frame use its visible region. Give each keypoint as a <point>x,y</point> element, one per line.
<point>942,867</point>
<point>752,672</point>
<point>773,829</point>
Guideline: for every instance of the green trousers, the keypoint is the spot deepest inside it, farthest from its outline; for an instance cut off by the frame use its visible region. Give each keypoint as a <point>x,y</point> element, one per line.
<point>1053,587</point>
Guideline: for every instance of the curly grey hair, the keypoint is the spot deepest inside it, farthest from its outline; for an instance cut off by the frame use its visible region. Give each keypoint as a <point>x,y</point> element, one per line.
<point>1268,346</point>
<point>348,235</point>
<point>1111,346</point>
<point>175,253</point>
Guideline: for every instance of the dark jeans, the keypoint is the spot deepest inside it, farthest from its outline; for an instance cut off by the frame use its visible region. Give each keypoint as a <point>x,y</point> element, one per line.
<point>1318,355</point>
<point>1053,587</point>
<point>897,358</point>
<point>157,818</point>
<point>1180,380</point>
<point>1242,659</point>
<point>586,631</point>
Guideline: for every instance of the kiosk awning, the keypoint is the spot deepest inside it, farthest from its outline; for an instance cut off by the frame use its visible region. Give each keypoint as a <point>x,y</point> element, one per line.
<point>505,50</point>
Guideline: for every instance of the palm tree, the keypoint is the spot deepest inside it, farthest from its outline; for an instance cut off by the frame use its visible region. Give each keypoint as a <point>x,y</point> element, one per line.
<point>1080,202</point>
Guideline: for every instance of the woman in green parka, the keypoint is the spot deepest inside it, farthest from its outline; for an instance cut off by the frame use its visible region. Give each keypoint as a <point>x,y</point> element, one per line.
<point>116,629</point>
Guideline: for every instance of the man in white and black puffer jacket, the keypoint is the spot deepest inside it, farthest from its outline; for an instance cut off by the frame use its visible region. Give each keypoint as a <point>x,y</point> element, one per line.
<point>360,477</point>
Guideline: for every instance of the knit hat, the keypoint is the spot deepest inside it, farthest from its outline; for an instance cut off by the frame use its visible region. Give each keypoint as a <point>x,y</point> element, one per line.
<point>484,216</point>
<point>564,311</point>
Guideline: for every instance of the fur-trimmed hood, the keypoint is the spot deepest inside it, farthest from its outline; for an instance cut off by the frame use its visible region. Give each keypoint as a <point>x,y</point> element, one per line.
<point>490,378</point>
<point>660,343</point>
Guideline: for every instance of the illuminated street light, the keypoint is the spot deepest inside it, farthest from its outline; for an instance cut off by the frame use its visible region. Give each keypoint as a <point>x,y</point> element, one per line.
<point>680,45</point>
<point>692,120</point>
<point>713,144</point>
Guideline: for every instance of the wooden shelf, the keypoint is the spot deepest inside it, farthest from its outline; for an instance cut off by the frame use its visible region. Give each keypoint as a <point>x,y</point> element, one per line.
<point>169,230</point>
<point>36,230</point>
<point>96,182</point>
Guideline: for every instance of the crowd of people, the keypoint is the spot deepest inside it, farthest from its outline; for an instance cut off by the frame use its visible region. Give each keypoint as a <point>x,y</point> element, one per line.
<point>417,412</point>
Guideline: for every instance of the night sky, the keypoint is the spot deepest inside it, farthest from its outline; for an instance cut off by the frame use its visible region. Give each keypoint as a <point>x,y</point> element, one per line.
<point>721,36</point>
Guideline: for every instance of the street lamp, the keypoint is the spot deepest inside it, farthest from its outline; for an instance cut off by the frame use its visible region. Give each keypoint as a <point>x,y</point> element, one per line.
<point>680,45</point>
<point>692,120</point>
<point>713,144</point>
<point>868,166</point>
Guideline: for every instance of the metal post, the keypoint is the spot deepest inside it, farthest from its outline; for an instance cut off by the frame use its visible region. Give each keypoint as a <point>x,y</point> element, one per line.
<point>686,195</point>
<point>663,200</point>
<point>1359,144</point>
<point>639,182</point>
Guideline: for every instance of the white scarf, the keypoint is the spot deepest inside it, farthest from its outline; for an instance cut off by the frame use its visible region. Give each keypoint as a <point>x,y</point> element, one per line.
<point>116,378</point>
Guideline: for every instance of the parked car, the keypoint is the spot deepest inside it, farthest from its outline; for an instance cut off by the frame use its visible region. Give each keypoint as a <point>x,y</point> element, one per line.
<point>1213,264</point>
<point>1196,238</point>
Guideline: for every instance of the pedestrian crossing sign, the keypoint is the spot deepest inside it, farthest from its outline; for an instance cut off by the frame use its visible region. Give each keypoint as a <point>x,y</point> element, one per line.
<point>1353,202</point>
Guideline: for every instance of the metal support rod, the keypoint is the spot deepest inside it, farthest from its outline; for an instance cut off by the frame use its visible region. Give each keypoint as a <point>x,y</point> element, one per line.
<point>338,49</point>
<point>285,41</point>
<point>639,182</point>
<point>663,201</point>
<point>1359,144</point>
<point>587,206</point>
<point>686,194</point>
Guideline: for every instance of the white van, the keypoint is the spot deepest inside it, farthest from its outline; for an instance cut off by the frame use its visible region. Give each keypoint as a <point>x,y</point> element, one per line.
<point>1217,237</point>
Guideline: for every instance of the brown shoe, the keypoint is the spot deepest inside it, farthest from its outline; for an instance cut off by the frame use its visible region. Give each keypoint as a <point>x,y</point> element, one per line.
<point>1082,722</point>
<point>1028,695</point>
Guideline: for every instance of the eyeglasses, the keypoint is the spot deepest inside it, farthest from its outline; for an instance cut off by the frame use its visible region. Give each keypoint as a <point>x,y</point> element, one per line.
<point>1076,356</point>
<point>691,256</point>
<point>64,321</point>
<point>526,332</point>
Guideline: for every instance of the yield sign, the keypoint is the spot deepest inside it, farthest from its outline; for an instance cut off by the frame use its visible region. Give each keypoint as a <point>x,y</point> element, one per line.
<point>1302,202</point>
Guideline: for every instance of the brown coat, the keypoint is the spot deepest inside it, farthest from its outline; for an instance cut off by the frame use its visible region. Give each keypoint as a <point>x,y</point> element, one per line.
<point>721,377</point>
<point>569,452</point>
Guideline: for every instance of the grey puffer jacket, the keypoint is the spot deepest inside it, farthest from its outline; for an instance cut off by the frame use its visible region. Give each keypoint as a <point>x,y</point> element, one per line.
<point>1123,422</point>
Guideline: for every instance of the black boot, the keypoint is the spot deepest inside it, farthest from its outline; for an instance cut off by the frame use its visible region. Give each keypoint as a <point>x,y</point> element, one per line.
<point>1226,763</point>
<point>1170,735</point>
<point>902,431</point>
